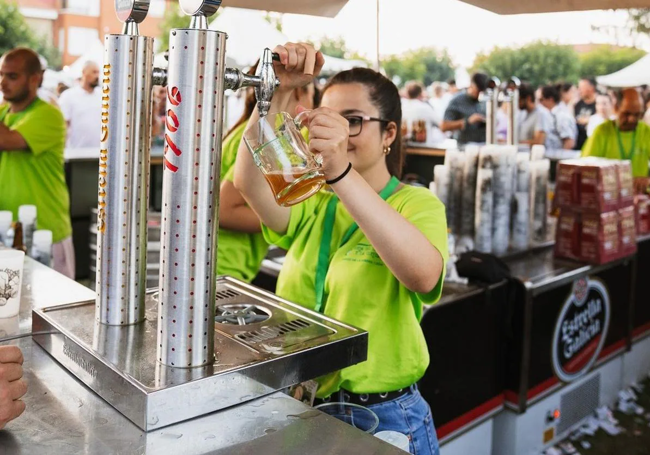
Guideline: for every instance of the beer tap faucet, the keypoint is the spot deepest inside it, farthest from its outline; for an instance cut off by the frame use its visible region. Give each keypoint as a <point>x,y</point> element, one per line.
<point>264,81</point>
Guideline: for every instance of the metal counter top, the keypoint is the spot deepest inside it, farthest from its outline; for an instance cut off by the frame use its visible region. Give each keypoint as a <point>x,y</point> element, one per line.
<point>540,270</point>
<point>63,416</point>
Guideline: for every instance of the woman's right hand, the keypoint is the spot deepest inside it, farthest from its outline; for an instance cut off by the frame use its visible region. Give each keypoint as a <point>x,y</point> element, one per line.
<point>299,64</point>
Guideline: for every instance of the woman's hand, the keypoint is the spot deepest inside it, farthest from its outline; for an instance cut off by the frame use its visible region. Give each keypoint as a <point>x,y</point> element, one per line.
<point>328,137</point>
<point>299,64</point>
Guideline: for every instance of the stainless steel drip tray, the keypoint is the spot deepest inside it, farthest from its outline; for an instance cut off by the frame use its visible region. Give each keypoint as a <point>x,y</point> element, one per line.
<point>280,344</point>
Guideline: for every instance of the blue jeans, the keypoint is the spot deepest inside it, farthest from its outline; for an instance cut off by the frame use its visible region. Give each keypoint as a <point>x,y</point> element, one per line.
<point>408,414</point>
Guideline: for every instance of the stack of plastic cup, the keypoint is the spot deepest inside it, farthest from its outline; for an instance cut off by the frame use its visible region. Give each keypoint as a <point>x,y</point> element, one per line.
<point>11,276</point>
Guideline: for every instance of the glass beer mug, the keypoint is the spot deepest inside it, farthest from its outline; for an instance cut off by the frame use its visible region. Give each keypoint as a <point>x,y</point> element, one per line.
<point>282,154</point>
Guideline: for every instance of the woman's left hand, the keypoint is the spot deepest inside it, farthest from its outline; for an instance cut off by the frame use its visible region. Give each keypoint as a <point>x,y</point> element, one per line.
<point>328,137</point>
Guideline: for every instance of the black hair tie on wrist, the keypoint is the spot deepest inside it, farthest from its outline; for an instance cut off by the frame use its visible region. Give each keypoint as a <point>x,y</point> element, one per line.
<point>340,177</point>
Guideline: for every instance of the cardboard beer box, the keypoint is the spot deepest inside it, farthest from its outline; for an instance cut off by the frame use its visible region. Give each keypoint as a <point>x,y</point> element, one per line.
<point>627,232</point>
<point>567,184</point>
<point>567,235</point>
<point>600,237</point>
<point>642,209</point>
<point>599,187</point>
<point>625,183</point>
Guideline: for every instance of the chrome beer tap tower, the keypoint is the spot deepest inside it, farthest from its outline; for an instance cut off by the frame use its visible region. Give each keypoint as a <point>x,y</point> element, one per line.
<point>201,342</point>
<point>508,95</point>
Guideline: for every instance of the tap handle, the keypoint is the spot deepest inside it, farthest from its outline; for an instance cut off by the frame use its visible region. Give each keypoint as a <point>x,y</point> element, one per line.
<point>131,10</point>
<point>267,82</point>
<point>200,7</point>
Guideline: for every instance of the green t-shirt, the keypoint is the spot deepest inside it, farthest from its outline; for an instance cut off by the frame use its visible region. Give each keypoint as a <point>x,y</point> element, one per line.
<point>36,176</point>
<point>239,254</point>
<point>360,290</point>
<point>604,143</point>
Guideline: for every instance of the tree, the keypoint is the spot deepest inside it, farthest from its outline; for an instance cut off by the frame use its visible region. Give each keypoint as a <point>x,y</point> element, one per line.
<point>14,32</point>
<point>275,20</point>
<point>607,59</point>
<point>334,47</point>
<point>538,63</point>
<point>425,65</point>
<point>637,27</point>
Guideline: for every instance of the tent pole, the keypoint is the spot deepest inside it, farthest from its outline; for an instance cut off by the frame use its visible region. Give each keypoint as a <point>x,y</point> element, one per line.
<point>378,61</point>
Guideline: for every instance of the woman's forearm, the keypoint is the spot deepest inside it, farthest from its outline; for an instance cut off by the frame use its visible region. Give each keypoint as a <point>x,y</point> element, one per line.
<point>406,251</point>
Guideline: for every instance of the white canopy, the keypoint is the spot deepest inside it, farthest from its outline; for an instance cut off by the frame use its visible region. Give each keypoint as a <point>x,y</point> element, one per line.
<point>327,8</point>
<point>335,65</point>
<point>248,34</point>
<point>94,53</point>
<point>638,73</point>
<point>549,6</point>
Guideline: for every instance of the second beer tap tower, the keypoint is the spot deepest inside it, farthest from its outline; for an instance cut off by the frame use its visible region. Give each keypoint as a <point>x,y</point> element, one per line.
<point>163,357</point>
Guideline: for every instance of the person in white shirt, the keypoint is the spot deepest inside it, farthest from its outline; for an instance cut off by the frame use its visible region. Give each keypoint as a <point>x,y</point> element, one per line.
<point>604,111</point>
<point>560,129</point>
<point>82,108</point>
<point>414,109</point>
<point>568,95</point>
<point>439,101</point>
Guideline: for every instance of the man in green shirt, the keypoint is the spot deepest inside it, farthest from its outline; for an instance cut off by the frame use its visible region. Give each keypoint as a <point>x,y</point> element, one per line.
<point>626,138</point>
<point>32,139</point>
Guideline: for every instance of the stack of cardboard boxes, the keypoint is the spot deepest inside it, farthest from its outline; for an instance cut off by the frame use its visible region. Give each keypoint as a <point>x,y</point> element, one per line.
<point>597,222</point>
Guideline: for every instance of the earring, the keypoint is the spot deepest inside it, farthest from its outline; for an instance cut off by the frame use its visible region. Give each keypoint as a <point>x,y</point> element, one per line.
<point>386,150</point>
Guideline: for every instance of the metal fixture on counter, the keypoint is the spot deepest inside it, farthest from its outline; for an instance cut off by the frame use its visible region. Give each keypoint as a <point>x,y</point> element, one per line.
<point>511,100</point>
<point>491,97</point>
<point>162,357</point>
<point>124,170</point>
<point>508,95</point>
<point>265,343</point>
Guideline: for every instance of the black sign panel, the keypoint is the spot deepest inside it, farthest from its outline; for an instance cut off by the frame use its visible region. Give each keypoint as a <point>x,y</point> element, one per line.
<point>581,329</point>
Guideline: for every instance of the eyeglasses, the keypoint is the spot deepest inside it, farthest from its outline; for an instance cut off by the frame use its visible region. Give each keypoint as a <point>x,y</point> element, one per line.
<point>356,123</point>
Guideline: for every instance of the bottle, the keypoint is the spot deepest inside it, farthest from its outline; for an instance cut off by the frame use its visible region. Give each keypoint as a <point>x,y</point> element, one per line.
<point>42,247</point>
<point>6,217</point>
<point>27,216</point>
<point>18,237</point>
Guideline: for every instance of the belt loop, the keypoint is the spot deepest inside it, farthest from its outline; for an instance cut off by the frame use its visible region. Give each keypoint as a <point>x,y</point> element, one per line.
<point>414,388</point>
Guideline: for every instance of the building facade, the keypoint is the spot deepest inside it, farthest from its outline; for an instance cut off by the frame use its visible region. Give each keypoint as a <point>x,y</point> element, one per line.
<point>75,25</point>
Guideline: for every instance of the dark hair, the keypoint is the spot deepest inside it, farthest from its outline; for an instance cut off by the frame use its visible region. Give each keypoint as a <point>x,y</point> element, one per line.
<point>414,90</point>
<point>526,91</point>
<point>551,92</point>
<point>591,80</point>
<point>249,103</point>
<point>385,96</point>
<point>480,80</point>
<point>317,96</point>
<point>564,87</point>
<point>31,59</point>
<point>451,81</point>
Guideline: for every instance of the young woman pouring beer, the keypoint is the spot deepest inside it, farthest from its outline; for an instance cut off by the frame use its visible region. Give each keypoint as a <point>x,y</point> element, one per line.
<point>371,251</point>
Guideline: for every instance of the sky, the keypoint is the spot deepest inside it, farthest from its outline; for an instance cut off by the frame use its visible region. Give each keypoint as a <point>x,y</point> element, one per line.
<point>463,29</point>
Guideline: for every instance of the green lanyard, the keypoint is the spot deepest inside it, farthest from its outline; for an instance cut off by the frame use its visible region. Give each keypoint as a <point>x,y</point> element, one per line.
<point>326,240</point>
<point>625,155</point>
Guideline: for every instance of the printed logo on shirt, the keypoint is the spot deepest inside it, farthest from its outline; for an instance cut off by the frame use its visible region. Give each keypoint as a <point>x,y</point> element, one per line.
<point>363,252</point>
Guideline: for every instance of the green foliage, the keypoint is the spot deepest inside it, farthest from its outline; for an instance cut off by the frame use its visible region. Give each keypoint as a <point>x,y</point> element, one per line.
<point>334,47</point>
<point>638,20</point>
<point>606,59</point>
<point>538,63</point>
<point>274,19</point>
<point>425,65</point>
<point>15,32</point>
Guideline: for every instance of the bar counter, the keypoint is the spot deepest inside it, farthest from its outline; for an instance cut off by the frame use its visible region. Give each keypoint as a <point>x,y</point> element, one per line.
<point>63,416</point>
